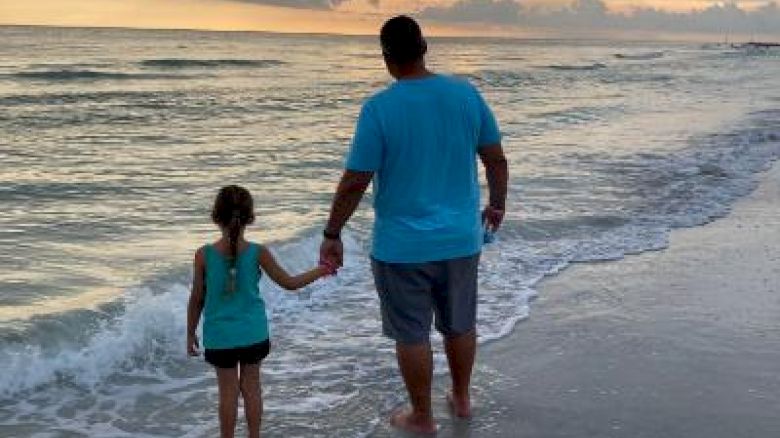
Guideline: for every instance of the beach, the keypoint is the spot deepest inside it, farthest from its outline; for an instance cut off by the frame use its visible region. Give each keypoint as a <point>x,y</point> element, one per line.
<point>683,342</point>
<point>115,141</point>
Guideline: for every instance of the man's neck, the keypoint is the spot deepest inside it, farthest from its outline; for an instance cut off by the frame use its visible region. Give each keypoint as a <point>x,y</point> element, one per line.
<point>415,71</point>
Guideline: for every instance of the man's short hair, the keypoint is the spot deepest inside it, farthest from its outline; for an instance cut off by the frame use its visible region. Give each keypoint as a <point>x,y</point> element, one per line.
<point>402,40</point>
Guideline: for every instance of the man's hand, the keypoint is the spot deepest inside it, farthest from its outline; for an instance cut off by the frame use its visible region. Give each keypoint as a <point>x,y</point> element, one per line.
<point>497,172</point>
<point>193,345</point>
<point>348,194</point>
<point>332,252</point>
<point>328,269</point>
<point>492,217</point>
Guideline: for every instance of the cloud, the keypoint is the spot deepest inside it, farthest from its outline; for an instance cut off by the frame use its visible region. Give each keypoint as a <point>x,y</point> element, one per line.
<point>595,14</point>
<point>300,4</point>
<point>309,4</point>
<point>484,11</point>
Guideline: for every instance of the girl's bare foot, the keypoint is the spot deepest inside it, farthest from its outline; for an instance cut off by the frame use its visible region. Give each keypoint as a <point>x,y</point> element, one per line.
<point>410,422</point>
<point>460,407</point>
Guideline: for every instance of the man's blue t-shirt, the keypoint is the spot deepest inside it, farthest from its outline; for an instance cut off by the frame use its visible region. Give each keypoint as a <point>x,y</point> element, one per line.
<point>420,137</point>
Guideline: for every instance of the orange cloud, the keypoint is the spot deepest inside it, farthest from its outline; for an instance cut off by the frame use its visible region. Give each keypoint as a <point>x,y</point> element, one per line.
<point>196,14</point>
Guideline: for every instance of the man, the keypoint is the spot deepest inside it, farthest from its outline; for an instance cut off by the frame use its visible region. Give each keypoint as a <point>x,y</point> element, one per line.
<point>420,138</point>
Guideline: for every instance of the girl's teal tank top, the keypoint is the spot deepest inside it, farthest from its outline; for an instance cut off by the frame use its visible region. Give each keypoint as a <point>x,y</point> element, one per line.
<point>233,318</point>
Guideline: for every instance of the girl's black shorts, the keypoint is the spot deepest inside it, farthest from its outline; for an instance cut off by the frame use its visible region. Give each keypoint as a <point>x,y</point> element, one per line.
<point>230,357</point>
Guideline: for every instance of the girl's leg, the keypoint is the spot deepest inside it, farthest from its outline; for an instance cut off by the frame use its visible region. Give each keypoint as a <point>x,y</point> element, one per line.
<point>227,380</point>
<point>253,401</point>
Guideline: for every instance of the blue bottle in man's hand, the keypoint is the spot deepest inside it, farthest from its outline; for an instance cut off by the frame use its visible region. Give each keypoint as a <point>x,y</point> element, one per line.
<point>489,236</point>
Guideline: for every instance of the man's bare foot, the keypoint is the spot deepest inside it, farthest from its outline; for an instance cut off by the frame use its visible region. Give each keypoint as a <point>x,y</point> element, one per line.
<point>460,407</point>
<point>410,422</point>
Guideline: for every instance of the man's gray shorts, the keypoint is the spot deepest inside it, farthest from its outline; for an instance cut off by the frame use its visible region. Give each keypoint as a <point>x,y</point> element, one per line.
<point>411,294</point>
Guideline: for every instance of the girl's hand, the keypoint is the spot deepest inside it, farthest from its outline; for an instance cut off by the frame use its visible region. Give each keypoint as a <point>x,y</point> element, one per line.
<point>328,268</point>
<point>193,345</point>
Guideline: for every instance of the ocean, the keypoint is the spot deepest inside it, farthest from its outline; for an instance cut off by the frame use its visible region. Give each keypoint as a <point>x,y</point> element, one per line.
<point>114,142</point>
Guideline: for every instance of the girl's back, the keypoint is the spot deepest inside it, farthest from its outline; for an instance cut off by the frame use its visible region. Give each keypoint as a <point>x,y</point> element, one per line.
<point>234,311</point>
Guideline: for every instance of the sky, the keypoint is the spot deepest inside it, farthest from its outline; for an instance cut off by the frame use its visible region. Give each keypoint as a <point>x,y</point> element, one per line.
<point>663,19</point>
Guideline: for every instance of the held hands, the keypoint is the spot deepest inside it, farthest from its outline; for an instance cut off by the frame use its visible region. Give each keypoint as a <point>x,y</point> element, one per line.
<point>492,218</point>
<point>328,268</point>
<point>332,253</point>
<point>193,346</point>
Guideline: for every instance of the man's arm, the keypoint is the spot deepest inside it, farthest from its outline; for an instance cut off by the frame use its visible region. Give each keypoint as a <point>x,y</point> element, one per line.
<point>497,171</point>
<point>350,191</point>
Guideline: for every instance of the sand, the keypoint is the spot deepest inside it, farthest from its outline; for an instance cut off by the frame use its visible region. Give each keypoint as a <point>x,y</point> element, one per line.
<point>683,342</point>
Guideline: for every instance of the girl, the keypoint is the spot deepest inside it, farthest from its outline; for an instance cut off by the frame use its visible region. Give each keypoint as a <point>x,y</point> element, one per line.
<point>235,328</point>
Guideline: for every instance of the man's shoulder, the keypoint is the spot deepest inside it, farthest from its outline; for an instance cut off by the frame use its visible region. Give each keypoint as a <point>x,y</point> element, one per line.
<point>458,81</point>
<point>387,94</point>
<point>380,95</point>
<point>387,97</point>
<point>458,84</point>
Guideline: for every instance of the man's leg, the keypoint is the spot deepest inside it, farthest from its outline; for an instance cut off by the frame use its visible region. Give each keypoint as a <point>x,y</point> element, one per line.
<point>461,350</point>
<point>407,312</point>
<point>455,298</point>
<point>416,364</point>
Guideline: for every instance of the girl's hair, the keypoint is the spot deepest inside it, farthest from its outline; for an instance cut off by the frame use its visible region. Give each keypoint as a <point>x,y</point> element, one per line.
<point>233,210</point>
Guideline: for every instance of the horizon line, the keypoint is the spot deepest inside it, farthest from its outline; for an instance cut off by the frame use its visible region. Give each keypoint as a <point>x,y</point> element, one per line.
<point>294,33</point>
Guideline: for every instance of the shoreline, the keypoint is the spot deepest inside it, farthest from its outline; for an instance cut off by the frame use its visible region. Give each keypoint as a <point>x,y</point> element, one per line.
<point>678,342</point>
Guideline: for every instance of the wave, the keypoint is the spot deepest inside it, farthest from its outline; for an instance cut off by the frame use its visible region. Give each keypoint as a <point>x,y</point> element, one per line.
<point>511,58</point>
<point>54,99</point>
<point>690,188</point>
<point>503,78</point>
<point>182,63</point>
<point>69,65</point>
<point>640,56</point>
<point>572,67</point>
<point>636,77</point>
<point>575,114</point>
<point>142,329</point>
<point>329,333</point>
<point>146,323</point>
<point>86,75</point>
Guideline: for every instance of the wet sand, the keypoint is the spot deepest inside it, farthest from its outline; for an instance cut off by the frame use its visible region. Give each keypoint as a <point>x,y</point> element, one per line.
<point>683,342</point>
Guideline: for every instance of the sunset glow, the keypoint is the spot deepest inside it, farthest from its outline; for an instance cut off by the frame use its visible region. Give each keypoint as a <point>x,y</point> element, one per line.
<point>477,17</point>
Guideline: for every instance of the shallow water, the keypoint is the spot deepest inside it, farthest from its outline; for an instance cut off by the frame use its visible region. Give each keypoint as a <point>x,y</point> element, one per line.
<point>114,143</point>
